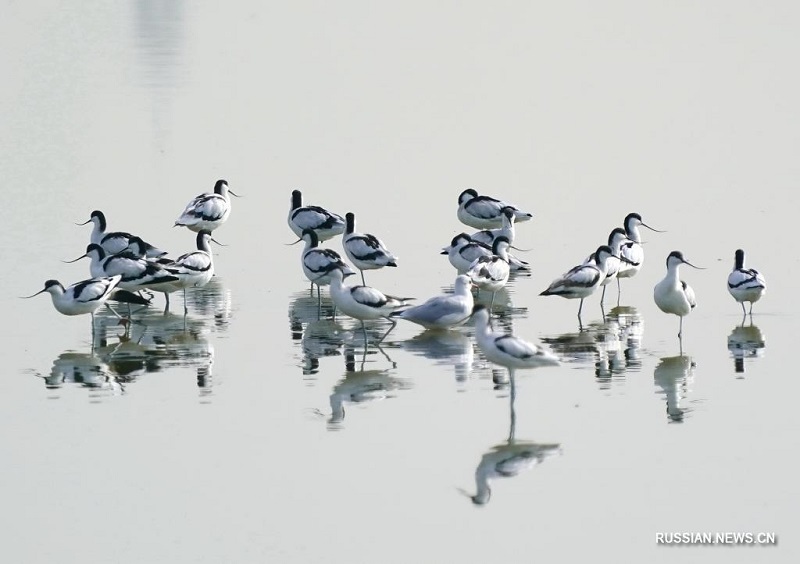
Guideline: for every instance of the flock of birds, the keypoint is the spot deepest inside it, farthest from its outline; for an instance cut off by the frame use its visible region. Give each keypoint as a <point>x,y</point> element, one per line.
<point>483,260</point>
<point>123,266</point>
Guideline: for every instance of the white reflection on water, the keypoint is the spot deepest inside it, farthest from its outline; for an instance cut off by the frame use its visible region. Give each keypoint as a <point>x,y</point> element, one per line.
<point>509,458</point>
<point>123,351</point>
<point>448,348</point>
<point>613,346</point>
<point>361,386</point>
<point>673,376</point>
<point>745,342</point>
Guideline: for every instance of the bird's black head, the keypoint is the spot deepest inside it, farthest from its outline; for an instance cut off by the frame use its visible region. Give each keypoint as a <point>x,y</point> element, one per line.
<point>501,240</point>
<point>51,283</point>
<point>603,250</point>
<point>297,199</point>
<point>219,185</point>
<point>508,211</point>
<point>101,219</point>
<point>739,257</point>
<point>350,218</point>
<point>676,254</point>
<point>467,195</point>
<point>616,231</point>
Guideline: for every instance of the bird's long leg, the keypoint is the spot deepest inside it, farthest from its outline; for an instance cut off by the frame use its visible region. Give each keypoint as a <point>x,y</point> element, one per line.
<point>92,331</point>
<point>311,290</point>
<point>603,296</point>
<point>580,322</point>
<point>744,309</point>
<point>185,307</point>
<point>364,282</point>
<point>751,308</point>
<point>364,329</point>
<point>491,304</point>
<point>393,322</point>
<point>166,307</point>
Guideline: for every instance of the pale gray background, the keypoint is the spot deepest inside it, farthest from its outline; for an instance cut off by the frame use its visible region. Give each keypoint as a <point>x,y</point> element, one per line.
<point>578,111</point>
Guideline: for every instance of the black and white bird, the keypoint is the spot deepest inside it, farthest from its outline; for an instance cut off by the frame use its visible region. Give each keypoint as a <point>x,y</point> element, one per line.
<point>325,224</point>
<point>581,281</point>
<point>484,212</point>
<point>463,251</point>
<point>632,249</point>
<point>207,212</point>
<point>508,350</point>
<point>87,296</point>
<point>193,269</point>
<point>114,242</point>
<point>673,295</point>
<point>487,236</point>
<point>491,272</point>
<point>137,273</point>
<point>445,311</point>
<point>745,284</point>
<point>364,302</point>
<point>318,263</point>
<point>614,264</point>
<point>365,251</point>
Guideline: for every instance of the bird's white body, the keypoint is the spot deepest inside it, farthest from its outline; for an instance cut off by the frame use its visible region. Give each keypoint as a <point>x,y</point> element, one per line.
<point>672,295</point>
<point>207,212</point>
<point>324,223</point>
<point>491,273</point>
<point>82,297</point>
<point>442,312</point>
<point>318,263</point>
<point>362,302</point>
<point>745,284</point>
<point>196,268</point>
<point>484,212</point>
<point>365,251</point>
<point>580,281</point>
<point>507,350</point>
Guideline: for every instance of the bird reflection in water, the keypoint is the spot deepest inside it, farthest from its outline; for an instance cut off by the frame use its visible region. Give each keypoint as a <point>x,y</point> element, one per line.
<point>613,346</point>
<point>673,375</point>
<point>212,302</point>
<point>84,369</point>
<point>361,386</point>
<point>444,348</point>
<point>123,351</point>
<point>509,458</point>
<point>313,326</point>
<point>745,341</point>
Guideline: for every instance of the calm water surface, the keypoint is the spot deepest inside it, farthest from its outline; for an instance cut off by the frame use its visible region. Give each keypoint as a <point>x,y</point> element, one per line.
<point>257,428</point>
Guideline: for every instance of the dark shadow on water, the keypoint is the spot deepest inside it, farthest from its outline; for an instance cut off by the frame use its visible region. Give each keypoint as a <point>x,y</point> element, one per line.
<point>508,458</point>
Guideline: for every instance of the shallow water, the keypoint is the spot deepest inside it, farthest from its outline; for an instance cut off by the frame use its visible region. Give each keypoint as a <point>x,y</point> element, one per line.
<point>223,436</point>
